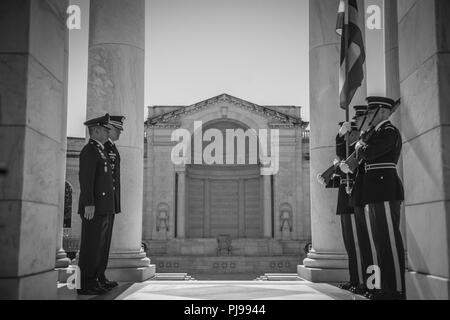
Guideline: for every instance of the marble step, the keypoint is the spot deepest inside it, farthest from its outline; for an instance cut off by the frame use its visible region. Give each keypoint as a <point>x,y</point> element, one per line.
<point>279,277</point>
<point>239,247</point>
<point>173,277</point>
<point>226,264</point>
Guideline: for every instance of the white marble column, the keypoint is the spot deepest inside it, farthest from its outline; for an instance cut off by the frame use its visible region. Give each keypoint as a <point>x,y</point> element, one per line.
<point>267,202</point>
<point>328,260</point>
<point>116,86</point>
<point>181,203</point>
<point>32,118</point>
<point>62,261</point>
<point>424,49</point>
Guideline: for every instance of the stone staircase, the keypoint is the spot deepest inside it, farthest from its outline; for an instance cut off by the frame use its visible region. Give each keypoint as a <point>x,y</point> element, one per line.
<point>246,256</point>
<point>226,264</point>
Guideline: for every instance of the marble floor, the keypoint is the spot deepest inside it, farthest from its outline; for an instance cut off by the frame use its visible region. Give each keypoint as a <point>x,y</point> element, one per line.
<point>220,290</point>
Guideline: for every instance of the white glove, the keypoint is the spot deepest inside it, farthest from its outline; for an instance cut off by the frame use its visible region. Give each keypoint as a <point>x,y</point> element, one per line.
<point>320,179</point>
<point>346,127</point>
<point>344,167</point>
<point>360,144</point>
<point>336,162</point>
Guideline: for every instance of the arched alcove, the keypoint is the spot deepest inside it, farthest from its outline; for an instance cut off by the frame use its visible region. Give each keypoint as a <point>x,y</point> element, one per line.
<point>224,198</point>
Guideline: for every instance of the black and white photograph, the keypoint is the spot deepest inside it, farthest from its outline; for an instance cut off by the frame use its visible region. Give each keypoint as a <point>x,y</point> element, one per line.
<point>224,156</point>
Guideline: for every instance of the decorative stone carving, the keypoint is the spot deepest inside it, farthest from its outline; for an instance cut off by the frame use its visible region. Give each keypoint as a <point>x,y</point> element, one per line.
<point>162,219</point>
<point>286,217</point>
<point>280,119</point>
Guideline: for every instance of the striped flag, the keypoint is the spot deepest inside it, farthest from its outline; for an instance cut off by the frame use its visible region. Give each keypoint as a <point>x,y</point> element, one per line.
<point>353,56</point>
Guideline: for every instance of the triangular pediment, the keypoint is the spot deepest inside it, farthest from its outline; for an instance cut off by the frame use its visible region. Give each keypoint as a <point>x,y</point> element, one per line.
<point>275,117</point>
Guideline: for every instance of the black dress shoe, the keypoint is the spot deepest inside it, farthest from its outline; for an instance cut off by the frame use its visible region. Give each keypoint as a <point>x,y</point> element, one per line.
<point>368,293</point>
<point>359,289</point>
<point>92,291</point>
<point>383,295</point>
<point>345,286</point>
<point>109,284</point>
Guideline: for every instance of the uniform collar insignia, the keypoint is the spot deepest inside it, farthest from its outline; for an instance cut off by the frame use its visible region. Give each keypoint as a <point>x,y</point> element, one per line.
<point>98,143</point>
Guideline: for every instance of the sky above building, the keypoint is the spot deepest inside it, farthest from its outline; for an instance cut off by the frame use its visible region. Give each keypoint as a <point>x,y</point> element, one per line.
<point>256,50</point>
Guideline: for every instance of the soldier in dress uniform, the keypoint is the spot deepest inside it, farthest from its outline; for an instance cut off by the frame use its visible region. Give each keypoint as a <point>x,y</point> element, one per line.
<point>353,222</point>
<point>382,191</point>
<point>367,251</point>
<point>96,203</point>
<point>344,209</point>
<point>116,123</point>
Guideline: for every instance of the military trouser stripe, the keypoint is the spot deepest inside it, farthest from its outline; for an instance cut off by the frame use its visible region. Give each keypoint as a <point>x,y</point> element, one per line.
<point>358,250</point>
<point>390,225</point>
<point>369,230</point>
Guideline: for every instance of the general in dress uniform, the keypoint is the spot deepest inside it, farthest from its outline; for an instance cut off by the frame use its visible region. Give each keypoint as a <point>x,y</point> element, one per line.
<point>383,193</point>
<point>116,123</point>
<point>96,204</point>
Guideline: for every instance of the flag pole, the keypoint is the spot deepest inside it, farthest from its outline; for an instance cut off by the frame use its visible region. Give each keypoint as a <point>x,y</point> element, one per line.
<point>347,147</point>
<point>347,103</point>
<point>351,71</point>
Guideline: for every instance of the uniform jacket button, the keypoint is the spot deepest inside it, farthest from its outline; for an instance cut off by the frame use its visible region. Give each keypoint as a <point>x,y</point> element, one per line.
<point>103,194</point>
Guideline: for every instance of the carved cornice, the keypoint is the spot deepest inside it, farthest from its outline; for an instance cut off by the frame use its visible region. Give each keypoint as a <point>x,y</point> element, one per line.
<point>280,120</point>
<point>164,125</point>
<point>282,126</point>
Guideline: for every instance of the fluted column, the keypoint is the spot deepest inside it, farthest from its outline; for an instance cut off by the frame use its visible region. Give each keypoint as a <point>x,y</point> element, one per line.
<point>328,260</point>
<point>62,261</point>
<point>116,86</point>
